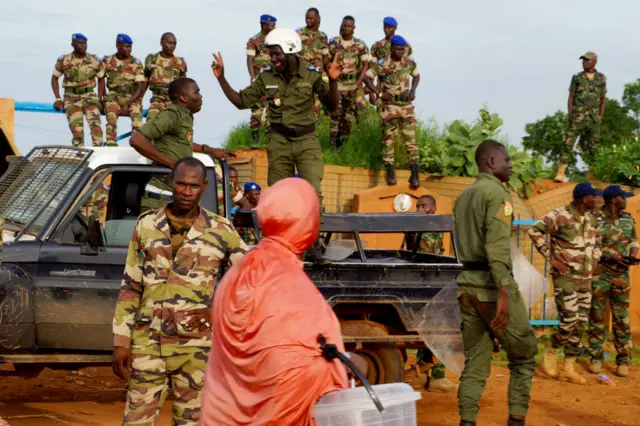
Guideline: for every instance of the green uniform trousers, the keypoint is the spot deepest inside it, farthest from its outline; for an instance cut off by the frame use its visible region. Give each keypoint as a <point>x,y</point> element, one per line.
<point>613,290</point>
<point>517,339</point>
<point>303,153</point>
<point>149,381</point>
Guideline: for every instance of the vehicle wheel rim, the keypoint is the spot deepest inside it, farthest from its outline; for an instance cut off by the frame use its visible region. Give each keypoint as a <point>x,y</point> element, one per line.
<point>375,368</point>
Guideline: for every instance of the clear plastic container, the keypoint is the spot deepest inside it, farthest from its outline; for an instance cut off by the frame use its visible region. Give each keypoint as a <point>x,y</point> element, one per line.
<point>354,407</point>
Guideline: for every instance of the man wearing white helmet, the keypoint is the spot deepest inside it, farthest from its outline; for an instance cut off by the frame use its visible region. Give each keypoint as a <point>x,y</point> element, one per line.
<point>289,86</point>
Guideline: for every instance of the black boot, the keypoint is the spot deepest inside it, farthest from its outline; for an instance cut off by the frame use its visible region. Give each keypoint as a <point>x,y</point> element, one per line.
<point>314,254</point>
<point>514,422</point>
<point>465,423</point>
<point>414,179</point>
<point>391,174</point>
<point>256,137</point>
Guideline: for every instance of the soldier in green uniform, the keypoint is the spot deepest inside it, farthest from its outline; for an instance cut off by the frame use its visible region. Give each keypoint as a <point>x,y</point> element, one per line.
<point>573,251</point>
<point>258,58</point>
<point>315,47</point>
<point>161,69</point>
<point>354,59</point>
<point>399,78</point>
<point>489,298</point>
<point>612,285</point>
<point>587,100</point>
<point>289,86</point>
<point>169,138</point>
<point>125,79</point>
<point>80,70</point>
<point>161,329</point>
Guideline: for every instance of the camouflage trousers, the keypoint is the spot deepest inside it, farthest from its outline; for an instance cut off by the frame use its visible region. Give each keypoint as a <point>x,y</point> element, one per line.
<point>115,101</point>
<point>77,107</point>
<point>615,290</point>
<point>149,381</point>
<point>97,203</point>
<point>342,117</point>
<point>588,129</point>
<point>257,112</point>
<point>573,302</point>
<point>158,103</point>
<point>395,117</point>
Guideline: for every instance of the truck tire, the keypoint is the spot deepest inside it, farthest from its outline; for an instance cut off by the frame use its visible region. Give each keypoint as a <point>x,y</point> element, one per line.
<point>384,360</point>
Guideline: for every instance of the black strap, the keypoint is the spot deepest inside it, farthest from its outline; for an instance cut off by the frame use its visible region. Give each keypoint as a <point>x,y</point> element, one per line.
<point>330,352</point>
<point>476,266</point>
<point>292,132</point>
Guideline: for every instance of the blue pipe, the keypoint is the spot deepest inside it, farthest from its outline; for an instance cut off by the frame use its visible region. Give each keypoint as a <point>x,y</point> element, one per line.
<point>544,323</point>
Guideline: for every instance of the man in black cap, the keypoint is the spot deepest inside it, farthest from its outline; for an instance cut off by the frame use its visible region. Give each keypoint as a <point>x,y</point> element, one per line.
<point>612,285</point>
<point>573,251</point>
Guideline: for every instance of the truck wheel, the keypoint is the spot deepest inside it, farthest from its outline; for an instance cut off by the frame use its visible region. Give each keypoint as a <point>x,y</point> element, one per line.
<point>384,360</point>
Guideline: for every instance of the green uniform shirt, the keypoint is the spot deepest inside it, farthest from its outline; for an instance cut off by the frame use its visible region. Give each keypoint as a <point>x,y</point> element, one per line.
<point>172,134</point>
<point>618,236</point>
<point>289,103</point>
<point>483,215</point>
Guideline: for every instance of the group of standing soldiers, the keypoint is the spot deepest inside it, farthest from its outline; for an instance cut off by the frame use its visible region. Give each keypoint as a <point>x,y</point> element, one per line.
<point>389,61</point>
<point>126,78</point>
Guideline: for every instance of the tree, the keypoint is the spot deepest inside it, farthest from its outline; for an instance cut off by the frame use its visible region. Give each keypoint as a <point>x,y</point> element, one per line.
<point>545,137</point>
<point>631,99</point>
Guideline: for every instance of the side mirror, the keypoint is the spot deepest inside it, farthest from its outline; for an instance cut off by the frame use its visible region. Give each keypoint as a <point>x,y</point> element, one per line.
<point>94,241</point>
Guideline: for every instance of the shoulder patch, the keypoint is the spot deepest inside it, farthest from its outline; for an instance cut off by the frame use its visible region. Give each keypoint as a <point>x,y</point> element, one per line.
<point>299,29</point>
<point>61,57</point>
<point>380,61</point>
<point>137,61</point>
<point>182,59</point>
<point>314,68</point>
<point>266,68</point>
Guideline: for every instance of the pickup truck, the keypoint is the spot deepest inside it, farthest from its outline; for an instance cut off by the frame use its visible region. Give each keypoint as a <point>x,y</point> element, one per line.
<point>62,266</point>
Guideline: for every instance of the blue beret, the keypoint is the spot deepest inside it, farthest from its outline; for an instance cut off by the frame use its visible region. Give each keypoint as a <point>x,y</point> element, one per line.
<point>391,21</point>
<point>78,36</point>
<point>123,38</point>
<point>398,40</point>
<point>268,18</point>
<point>252,186</point>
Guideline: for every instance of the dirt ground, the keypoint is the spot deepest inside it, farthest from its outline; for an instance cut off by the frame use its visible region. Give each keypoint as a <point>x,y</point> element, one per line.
<point>93,396</point>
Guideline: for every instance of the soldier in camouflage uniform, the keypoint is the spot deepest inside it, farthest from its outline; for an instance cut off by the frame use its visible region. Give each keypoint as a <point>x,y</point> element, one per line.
<point>257,59</point>
<point>573,251</point>
<point>252,193</point>
<point>315,47</point>
<point>431,243</point>
<point>353,56</point>
<point>587,100</point>
<point>161,69</point>
<point>125,80</point>
<point>80,70</point>
<point>382,49</point>
<point>161,330</point>
<point>397,90</point>
<point>612,284</point>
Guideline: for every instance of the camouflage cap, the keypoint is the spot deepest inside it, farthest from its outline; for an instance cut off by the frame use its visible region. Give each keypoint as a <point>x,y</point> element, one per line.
<point>590,56</point>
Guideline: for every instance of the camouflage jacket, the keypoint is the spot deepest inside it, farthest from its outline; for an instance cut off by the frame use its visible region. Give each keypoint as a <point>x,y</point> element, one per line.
<point>158,293</point>
<point>431,243</point>
<point>382,50</point>
<point>394,76</point>
<point>160,72</point>
<point>353,55</point>
<point>574,240</point>
<point>122,74</point>
<point>78,72</point>
<point>618,236</point>
<point>315,45</point>
<point>587,94</point>
<point>257,49</point>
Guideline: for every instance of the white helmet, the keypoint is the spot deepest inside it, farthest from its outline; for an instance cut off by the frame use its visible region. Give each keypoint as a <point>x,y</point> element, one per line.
<point>288,40</point>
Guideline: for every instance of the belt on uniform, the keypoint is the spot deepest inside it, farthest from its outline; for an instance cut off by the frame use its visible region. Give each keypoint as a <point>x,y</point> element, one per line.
<point>123,89</point>
<point>78,90</point>
<point>160,90</point>
<point>291,132</point>
<point>476,266</point>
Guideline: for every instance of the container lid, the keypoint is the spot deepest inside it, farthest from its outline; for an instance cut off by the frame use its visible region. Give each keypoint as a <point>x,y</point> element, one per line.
<point>348,400</point>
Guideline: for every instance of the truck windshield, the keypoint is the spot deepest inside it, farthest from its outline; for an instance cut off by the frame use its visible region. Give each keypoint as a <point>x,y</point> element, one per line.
<point>34,185</point>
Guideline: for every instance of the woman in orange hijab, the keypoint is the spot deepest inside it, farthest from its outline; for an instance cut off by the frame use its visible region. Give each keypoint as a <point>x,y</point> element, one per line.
<point>265,366</point>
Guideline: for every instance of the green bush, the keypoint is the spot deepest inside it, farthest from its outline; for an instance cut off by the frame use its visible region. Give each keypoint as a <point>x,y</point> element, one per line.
<point>619,163</point>
<point>447,151</point>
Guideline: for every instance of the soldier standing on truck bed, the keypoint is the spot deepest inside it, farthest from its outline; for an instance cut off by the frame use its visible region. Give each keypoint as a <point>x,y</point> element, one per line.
<point>161,329</point>
<point>169,138</point>
<point>126,82</point>
<point>257,59</point>
<point>161,69</point>
<point>587,101</point>
<point>315,47</point>
<point>430,243</point>
<point>354,59</point>
<point>612,285</point>
<point>289,86</point>
<point>573,251</point>
<point>489,298</point>
<point>80,70</point>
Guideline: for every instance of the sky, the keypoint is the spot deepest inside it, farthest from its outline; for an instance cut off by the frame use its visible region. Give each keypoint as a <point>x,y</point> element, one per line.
<point>515,57</point>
